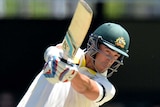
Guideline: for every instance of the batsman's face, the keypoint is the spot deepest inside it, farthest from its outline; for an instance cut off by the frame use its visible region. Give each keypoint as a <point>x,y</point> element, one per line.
<point>105,58</point>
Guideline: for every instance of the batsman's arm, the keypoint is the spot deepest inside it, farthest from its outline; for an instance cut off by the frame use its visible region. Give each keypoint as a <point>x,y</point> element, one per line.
<point>99,90</point>
<point>86,86</point>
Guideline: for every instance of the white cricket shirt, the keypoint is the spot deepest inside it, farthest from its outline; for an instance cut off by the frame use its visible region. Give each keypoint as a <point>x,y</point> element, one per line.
<point>42,93</point>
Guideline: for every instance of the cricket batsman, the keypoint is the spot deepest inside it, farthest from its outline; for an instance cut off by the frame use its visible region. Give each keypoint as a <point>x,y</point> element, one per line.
<point>63,83</point>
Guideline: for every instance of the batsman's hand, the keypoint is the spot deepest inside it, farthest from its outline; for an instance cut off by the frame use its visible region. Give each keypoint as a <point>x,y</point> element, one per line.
<point>58,69</point>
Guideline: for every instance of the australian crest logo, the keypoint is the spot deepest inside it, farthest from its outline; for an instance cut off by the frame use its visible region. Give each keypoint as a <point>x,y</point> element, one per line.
<point>120,42</point>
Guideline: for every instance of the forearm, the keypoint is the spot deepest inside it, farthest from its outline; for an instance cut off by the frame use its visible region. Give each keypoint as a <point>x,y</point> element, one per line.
<point>86,86</point>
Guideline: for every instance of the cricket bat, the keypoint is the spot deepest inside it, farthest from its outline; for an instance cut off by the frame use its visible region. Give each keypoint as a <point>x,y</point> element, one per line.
<point>77,29</point>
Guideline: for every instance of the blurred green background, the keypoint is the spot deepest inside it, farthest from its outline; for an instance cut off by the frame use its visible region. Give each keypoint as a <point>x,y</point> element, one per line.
<point>28,27</point>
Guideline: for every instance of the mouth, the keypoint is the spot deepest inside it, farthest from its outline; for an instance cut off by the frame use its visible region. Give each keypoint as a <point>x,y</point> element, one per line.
<point>104,66</point>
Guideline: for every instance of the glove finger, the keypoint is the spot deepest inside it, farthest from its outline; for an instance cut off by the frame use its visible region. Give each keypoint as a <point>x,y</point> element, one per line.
<point>64,70</point>
<point>58,66</point>
<point>47,70</point>
<point>60,69</point>
<point>66,74</point>
<point>55,62</point>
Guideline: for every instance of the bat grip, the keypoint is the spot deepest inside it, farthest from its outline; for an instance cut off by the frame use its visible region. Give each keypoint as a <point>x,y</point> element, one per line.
<point>67,62</point>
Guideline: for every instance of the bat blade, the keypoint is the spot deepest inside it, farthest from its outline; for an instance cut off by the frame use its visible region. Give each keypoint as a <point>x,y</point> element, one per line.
<point>77,30</point>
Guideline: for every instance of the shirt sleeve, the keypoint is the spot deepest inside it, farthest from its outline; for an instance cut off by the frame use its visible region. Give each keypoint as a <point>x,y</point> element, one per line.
<point>106,90</point>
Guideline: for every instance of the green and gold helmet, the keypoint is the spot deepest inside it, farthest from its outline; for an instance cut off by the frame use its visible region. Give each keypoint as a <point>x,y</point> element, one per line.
<point>114,36</point>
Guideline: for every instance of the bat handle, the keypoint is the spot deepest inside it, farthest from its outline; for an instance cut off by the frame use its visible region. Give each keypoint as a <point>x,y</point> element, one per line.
<point>67,62</point>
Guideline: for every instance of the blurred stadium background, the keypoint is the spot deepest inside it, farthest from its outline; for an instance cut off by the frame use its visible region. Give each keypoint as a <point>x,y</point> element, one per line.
<point>28,27</point>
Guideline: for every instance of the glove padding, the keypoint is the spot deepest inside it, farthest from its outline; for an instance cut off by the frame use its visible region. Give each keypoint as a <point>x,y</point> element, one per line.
<point>58,69</point>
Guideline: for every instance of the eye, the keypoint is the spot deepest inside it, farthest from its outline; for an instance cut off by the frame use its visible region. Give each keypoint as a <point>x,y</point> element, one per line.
<point>116,56</point>
<point>107,51</point>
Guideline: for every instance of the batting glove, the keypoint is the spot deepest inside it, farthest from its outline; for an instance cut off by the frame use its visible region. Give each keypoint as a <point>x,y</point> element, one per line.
<point>58,69</point>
